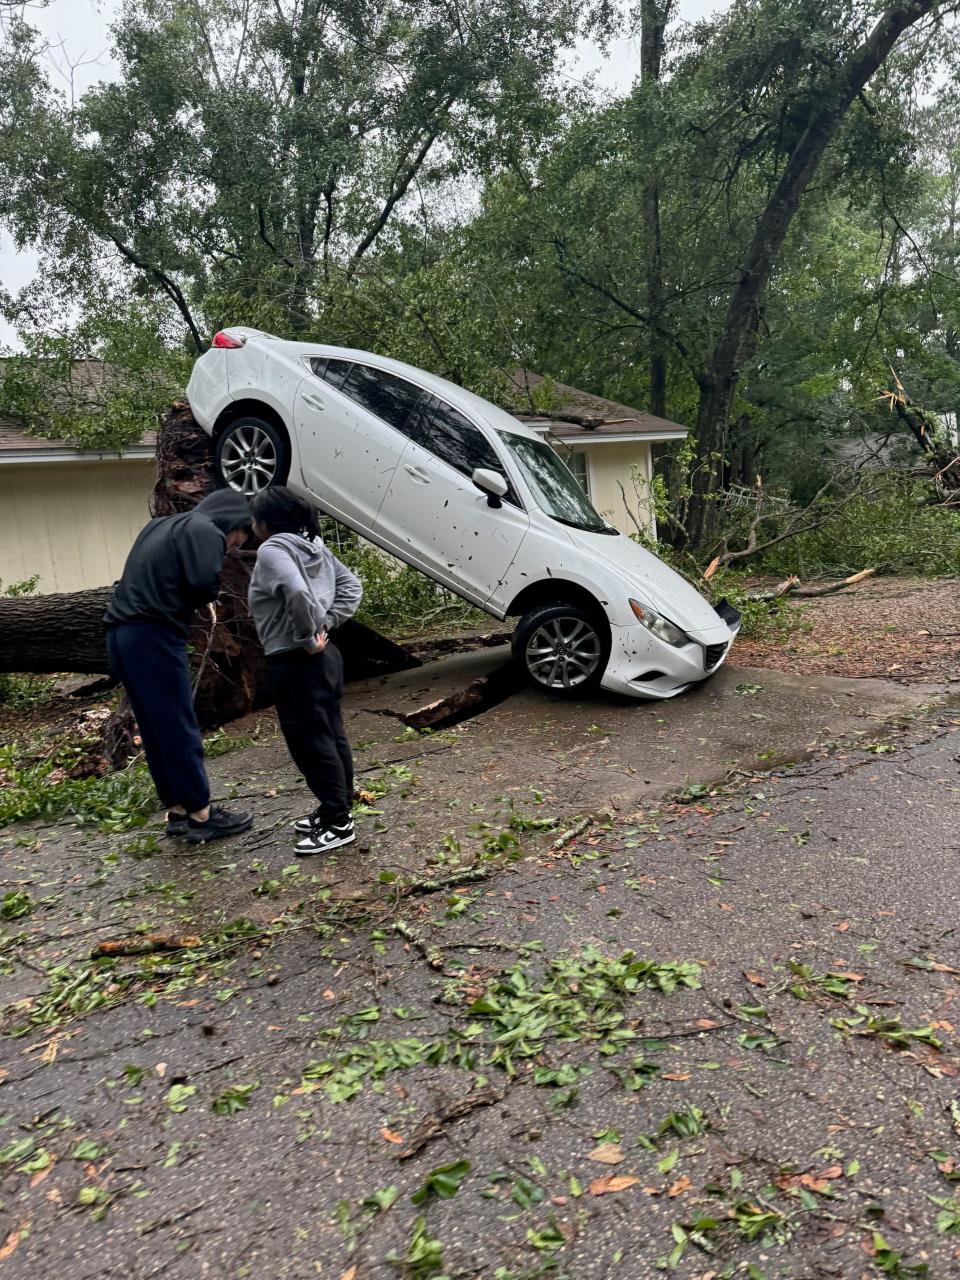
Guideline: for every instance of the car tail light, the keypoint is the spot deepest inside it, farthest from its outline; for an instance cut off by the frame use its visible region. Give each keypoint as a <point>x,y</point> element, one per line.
<point>225,342</point>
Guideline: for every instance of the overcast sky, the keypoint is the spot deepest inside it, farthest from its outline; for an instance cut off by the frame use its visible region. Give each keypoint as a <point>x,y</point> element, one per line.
<point>80,56</point>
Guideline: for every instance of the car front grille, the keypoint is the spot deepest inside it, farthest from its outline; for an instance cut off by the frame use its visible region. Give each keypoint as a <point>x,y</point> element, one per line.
<point>713,655</point>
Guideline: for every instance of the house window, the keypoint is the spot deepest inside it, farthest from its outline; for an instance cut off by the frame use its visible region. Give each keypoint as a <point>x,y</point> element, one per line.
<point>576,460</point>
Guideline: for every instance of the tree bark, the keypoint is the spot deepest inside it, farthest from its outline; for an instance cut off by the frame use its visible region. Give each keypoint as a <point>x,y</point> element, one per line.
<point>654,16</point>
<point>738,338</point>
<point>43,634</point>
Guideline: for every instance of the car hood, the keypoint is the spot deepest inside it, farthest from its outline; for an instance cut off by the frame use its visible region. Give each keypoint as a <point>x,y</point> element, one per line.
<point>647,579</point>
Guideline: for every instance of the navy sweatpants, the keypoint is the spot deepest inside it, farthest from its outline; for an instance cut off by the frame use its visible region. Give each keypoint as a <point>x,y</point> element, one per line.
<point>151,662</point>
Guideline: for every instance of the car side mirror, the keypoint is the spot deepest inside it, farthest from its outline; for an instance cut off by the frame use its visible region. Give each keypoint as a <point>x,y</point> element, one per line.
<point>492,483</point>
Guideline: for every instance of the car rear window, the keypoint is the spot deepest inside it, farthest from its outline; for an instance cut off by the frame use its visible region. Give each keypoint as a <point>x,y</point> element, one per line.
<point>449,435</point>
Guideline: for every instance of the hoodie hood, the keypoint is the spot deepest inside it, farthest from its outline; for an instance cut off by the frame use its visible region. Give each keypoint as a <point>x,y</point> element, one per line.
<point>227,509</point>
<point>308,552</point>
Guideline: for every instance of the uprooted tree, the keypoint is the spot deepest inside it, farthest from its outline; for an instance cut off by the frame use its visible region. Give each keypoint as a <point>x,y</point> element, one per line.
<point>66,632</point>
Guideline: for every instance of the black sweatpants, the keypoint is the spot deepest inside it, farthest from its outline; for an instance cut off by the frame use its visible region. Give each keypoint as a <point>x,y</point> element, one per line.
<point>151,662</point>
<point>307,689</point>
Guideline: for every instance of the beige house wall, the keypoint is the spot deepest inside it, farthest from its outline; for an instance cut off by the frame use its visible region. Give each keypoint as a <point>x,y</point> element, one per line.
<point>620,475</point>
<point>73,522</point>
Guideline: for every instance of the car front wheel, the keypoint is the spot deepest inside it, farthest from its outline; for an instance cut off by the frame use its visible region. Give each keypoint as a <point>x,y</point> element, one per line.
<point>562,648</point>
<point>251,454</point>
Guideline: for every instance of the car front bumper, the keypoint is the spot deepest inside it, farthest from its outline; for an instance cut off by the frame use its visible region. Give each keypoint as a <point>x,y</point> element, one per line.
<point>643,666</point>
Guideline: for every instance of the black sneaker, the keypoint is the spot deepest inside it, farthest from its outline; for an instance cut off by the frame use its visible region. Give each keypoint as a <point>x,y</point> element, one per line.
<point>323,839</point>
<point>220,824</point>
<point>176,825</point>
<point>306,825</point>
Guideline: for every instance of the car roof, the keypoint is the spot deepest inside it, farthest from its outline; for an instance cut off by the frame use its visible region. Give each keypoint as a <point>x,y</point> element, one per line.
<point>492,415</point>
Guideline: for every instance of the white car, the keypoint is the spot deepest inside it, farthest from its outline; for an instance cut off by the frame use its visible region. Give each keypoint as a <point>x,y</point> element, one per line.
<point>462,491</point>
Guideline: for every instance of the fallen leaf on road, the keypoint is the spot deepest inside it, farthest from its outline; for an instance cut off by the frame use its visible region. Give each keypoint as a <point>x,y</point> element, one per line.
<point>602,1186</point>
<point>705,1024</point>
<point>675,1075</point>
<point>843,926</point>
<point>607,1153</point>
<point>349,1274</point>
<point>843,973</point>
<point>682,1184</point>
<point>755,979</point>
<point>391,1135</point>
<point>12,1240</point>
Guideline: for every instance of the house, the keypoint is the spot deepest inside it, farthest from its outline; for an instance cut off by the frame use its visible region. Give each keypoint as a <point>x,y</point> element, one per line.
<point>69,516</point>
<point>607,446</point>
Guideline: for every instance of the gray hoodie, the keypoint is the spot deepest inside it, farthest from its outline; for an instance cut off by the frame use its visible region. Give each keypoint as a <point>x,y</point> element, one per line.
<point>298,588</point>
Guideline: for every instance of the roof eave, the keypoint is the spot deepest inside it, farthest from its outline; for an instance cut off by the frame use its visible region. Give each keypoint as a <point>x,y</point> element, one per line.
<point>138,453</point>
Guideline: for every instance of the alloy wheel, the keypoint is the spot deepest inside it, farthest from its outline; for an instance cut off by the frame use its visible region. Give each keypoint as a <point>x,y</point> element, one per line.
<point>248,459</point>
<point>563,653</point>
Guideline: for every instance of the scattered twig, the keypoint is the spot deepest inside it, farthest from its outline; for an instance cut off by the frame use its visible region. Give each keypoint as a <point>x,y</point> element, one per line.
<point>431,1125</point>
<point>146,944</point>
<point>411,887</point>
<point>432,954</point>
<point>566,837</point>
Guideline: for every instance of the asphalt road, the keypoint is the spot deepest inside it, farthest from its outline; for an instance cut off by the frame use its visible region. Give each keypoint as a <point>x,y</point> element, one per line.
<point>709,1036</point>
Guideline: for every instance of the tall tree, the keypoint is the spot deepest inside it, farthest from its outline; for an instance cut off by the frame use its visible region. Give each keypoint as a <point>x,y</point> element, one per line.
<point>253,154</point>
<point>826,98</point>
<point>654,17</point>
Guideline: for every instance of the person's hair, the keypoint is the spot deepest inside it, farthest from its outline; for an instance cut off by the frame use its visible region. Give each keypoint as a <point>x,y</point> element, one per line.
<point>281,511</point>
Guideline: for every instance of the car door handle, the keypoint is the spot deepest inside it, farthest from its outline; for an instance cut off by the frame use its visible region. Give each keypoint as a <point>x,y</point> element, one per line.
<point>417,473</point>
<point>313,401</point>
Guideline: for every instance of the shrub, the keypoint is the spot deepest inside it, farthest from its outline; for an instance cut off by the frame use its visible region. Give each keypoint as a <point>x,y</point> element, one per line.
<point>896,530</point>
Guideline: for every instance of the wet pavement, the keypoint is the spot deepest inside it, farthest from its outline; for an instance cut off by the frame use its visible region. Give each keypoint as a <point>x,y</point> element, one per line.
<point>710,1035</point>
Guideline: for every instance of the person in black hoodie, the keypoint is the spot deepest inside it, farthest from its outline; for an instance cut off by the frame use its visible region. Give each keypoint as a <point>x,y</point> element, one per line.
<point>173,570</point>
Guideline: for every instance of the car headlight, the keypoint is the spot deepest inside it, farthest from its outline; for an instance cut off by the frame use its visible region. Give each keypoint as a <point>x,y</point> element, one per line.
<point>660,626</point>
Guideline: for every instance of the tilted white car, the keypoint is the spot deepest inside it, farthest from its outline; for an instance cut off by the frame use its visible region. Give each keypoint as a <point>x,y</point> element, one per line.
<point>462,491</point>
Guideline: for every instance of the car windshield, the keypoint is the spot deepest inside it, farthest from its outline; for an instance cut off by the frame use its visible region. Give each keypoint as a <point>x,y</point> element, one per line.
<point>553,485</point>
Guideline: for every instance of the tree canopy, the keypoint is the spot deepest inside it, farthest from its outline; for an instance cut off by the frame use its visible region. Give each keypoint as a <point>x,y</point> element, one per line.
<point>747,241</point>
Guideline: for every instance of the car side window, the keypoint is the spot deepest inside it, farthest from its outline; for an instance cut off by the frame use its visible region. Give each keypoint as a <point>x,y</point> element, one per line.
<point>449,435</point>
<point>391,398</point>
<point>335,372</point>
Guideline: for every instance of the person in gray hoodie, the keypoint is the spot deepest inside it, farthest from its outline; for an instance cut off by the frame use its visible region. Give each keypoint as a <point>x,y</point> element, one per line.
<point>299,593</point>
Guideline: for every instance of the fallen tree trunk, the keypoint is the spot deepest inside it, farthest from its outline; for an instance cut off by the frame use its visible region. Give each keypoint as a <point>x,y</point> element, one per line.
<point>44,634</point>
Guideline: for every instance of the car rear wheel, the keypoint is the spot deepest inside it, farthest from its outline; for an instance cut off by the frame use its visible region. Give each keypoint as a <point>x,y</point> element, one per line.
<point>562,648</point>
<point>251,454</point>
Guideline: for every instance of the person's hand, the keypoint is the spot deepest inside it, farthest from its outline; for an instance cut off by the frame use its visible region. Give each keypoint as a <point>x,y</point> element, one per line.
<point>321,639</point>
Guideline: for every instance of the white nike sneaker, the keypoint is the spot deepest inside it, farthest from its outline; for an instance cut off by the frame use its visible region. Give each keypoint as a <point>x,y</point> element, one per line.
<point>323,839</point>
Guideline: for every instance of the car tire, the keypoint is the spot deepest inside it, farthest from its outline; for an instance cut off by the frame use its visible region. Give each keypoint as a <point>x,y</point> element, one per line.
<point>251,454</point>
<point>562,648</point>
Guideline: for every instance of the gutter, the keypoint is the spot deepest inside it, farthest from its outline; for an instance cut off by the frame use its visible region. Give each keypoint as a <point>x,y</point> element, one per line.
<point>74,455</point>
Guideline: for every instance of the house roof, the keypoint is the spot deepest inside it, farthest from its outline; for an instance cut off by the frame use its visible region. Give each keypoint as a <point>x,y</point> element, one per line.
<point>17,446</point>
<point>580,416</point>
<point>86,378</point>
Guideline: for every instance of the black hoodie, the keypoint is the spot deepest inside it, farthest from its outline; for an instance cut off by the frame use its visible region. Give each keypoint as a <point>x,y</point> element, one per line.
<point>175,564</point>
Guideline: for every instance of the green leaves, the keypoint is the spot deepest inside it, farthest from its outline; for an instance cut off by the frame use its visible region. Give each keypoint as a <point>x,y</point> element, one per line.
<point>87,1149</point>
<point>890,1030</point>
<point>178,1096</point>
<point>444,1181</point>
<point>236,1097</point>
<point>15,904</point>
<point>423,1259</point>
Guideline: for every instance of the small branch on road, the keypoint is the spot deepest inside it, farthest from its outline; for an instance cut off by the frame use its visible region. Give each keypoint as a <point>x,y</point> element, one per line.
<point>432,1126</point>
